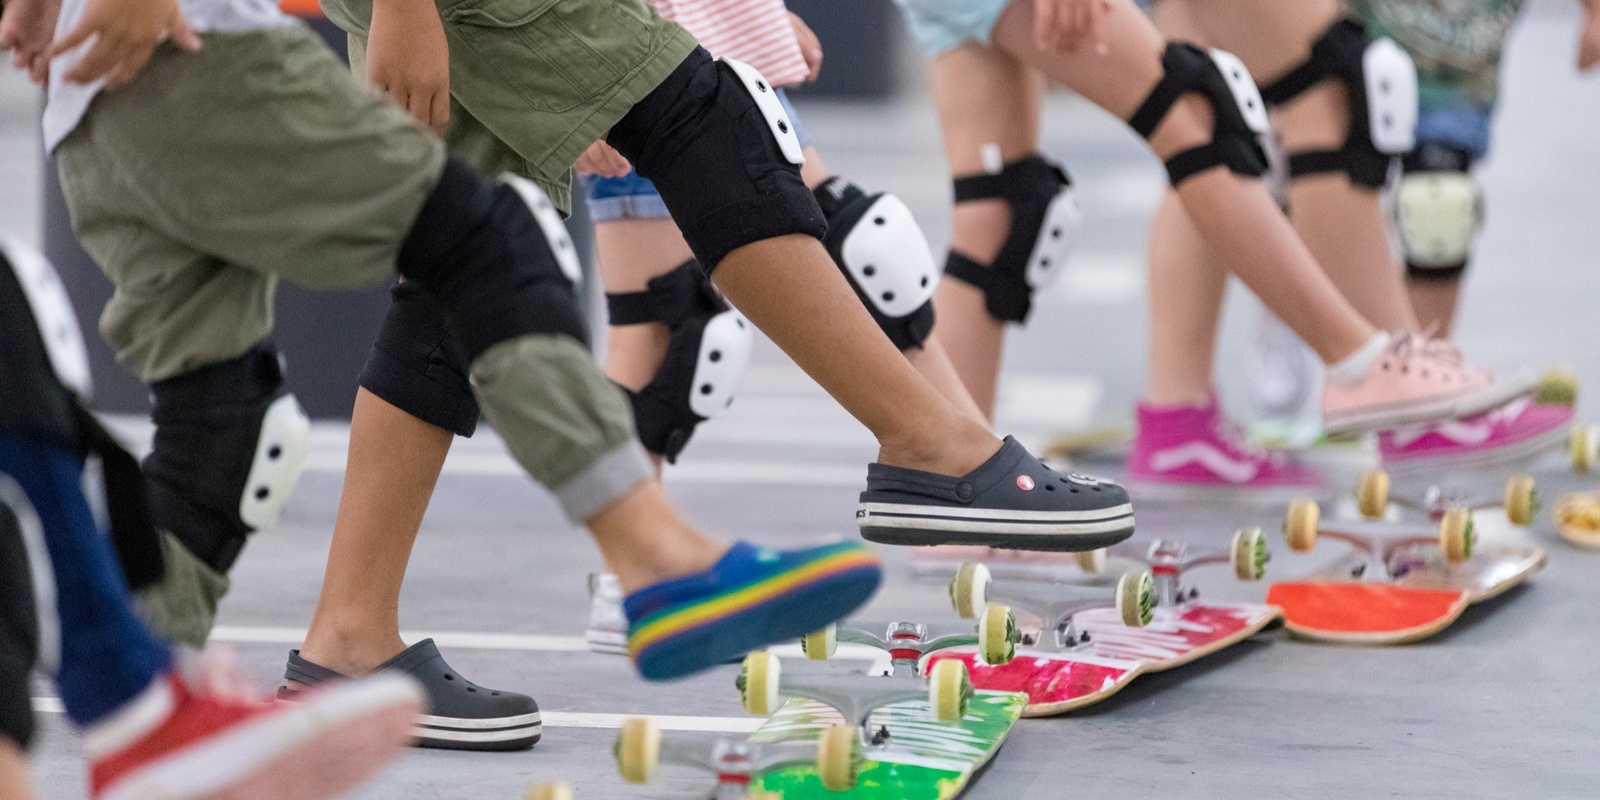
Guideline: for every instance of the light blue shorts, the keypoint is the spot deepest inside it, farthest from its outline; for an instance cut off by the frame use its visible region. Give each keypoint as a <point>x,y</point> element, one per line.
<point>940,25</point>
<point>633,196</point>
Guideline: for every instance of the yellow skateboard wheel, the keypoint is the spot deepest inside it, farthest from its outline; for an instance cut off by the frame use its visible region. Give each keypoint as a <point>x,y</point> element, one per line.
<point>1136,598</point>
<point>1300,525</point>
<point>1522,500</point>
<point>969,590</point>
<point>1248,554</point>
<point>638,749</point>
<point>821,645</point>
<point>949,688</point>
<point>839,757</point>
<point>1372,494</point>
<point>997,634</point>
<point>758,683</point>
<point>1091,561</point>
<point>1456,535</point>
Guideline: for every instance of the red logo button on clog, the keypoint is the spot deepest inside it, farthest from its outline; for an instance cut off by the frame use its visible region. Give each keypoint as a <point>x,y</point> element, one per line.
<point>1025,483</point>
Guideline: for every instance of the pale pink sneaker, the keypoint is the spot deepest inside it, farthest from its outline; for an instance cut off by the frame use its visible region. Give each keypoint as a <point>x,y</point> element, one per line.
<point>1194,450</point>
<point>1418,380</point>
<point>1516,430</point>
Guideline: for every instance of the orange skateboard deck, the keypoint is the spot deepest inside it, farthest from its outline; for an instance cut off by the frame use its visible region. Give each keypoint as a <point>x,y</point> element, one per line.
<point>1334,604</point>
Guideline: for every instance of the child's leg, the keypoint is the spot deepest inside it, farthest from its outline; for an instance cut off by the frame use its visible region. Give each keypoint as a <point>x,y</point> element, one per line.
<point>1187,285</point>
<point>989,112</point>
<point>14,770</point>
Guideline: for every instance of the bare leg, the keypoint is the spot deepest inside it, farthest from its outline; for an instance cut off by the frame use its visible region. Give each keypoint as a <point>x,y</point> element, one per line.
<point>1234,214</point>
<point>1187,285</point>
<point>644,541</point>
<point>795,294</point>
<point>1435,303</point>
<point>394,464</point>
<point>13,772</point>
<point>631,253</point>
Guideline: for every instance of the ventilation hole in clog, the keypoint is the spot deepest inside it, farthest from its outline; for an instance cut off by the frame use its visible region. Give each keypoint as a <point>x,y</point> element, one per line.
<point>449,677</point>
<point>1049,487</point>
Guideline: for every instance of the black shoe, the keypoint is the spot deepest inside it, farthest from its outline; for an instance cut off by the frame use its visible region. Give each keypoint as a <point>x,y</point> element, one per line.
<point>1012,501</point>
<point>462,715</point>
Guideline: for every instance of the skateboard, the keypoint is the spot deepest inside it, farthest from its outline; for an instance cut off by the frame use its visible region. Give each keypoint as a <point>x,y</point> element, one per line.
<point>1405,581</point>
<point>1577,518</point>
<point>1093,640</point>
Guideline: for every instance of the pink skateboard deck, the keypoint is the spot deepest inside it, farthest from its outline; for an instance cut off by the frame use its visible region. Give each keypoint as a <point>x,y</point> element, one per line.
<point>1116,654</point>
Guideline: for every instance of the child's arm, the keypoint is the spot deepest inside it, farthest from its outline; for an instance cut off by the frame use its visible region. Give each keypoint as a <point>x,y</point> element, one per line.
<point>26,28</point>
<point>126,32</point>
<point>1589,36</point>
<point>810,46</point>
<point>408,58</point>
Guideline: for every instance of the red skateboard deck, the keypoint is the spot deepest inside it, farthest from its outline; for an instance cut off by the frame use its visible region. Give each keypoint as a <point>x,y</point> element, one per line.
<point>1334,605</point>
<point>1116,654</point>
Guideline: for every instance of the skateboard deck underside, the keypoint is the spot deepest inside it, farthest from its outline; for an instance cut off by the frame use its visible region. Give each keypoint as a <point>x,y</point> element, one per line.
<point>1116,654</point>
<point>924,760</point>
<point>1331,604</point>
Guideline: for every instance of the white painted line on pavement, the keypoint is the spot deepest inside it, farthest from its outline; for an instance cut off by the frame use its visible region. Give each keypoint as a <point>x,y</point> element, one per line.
<point>563,719</point>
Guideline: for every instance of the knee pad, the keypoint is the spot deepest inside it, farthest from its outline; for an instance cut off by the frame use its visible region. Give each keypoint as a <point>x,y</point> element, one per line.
<point>880,248</point>
<point>418,366</point>
<point>707,353</point>
<point>1044,221</point>
<point>1239,116</point>
<point>1380,81</point>
<point>19,632</point>
<point>229,445</point>
<point>1438,212</point>
<point>46,369</point>
<point>478,250</point>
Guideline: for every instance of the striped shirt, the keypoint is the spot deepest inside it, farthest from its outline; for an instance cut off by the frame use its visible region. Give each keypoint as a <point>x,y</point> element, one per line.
<point>756,32</point>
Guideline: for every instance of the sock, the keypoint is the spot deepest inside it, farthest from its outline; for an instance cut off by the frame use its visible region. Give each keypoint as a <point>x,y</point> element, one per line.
<point>1348,371</point>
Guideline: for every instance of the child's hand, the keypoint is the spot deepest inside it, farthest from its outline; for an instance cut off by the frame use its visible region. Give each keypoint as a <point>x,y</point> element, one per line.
<point>408,58</point>
<point>603,160</point>
<point>26,28</point>
<point>810,46</point>
<point>1066,25</point>
<point>1589,39</point>
<point>125,33</point>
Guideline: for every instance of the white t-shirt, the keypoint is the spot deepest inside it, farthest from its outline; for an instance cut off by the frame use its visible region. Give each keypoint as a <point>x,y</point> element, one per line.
<point>65,103</point>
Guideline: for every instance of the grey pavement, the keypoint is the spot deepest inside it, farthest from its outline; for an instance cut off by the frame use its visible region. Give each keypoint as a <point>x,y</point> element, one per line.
<point>1501,705</point>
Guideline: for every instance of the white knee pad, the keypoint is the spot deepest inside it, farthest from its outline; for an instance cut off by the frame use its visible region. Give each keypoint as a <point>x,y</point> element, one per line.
<point>725,347</point>
<point>279,458</point>
<point>1438,216</point>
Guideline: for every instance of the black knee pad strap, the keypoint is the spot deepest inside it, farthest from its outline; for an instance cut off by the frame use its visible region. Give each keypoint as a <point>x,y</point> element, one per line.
<point>477,250</point>
<point>418,365</point>
<point>1234,144</point>
<point>844,204</point>
<point>1028,185</point>
<point>700,137</point>
<point>1336,55</point>
<point>19,632</point>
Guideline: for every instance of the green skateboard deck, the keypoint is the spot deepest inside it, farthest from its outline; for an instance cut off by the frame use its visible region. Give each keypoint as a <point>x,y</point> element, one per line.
<point>923,760</point>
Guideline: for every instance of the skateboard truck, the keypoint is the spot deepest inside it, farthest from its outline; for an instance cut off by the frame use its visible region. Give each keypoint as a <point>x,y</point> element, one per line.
<point>836,754</point>
<point>1381,542</point>
<point>1134,598</point>
<point>908,642</point>
<point>1247,554</point>
<point>1373,498</point>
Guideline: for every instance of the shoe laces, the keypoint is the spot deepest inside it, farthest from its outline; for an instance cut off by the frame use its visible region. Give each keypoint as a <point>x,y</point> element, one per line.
<point>1233,435</point>
<point>1426,353</point>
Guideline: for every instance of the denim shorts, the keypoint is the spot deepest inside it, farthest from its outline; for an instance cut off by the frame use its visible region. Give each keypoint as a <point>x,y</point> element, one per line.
<point>634,197</point>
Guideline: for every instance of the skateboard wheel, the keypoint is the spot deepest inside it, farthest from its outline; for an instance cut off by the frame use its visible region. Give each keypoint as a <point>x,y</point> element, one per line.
<point>969,590</point>
<point>838,757</point>
<point>997,634</point>
<point>758,683</point>
<point>638,749</point>
<point>1091,561</point>
<point>1300,525</point>
<point>1136,598</point>
<point>1557,387</point>
<point>1522,500</point>
<point>1585,442</point>
<point>1249,554</point>
<point>820,645</point>
<point>1456,536</point>
<point>1372,494</point>
<point>949,688</point>
<point>550,791</point>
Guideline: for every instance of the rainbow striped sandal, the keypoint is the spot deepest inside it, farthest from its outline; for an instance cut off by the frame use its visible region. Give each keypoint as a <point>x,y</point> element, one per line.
<point>752,597</point>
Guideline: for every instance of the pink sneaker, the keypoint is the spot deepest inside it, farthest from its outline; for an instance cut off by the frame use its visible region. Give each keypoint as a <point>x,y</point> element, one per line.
<point>1518,429</point>
<point>1418,380</point>
<point>1187,450</point>
<point>177,742</point>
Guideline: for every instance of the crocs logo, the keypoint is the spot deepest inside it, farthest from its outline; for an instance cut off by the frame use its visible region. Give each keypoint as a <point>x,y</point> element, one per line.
<point>1025,483</point>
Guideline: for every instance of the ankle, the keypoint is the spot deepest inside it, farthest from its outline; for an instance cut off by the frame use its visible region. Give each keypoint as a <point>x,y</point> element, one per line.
<point>351,648</point>
<point>962,448</point>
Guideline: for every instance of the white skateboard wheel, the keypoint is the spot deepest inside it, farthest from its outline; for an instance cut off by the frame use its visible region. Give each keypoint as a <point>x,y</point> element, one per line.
<point>1136,598</point>
<point>821,645</point>
<point>1248,554</point>
<point>1372,494</point>
<point>638,749</point>
<point>948,689</point>
<point>1091,561</point>
<point>758,683</point>
<point>838,757</point>
<point>1456,535</point>
<point>997,634</point>
<point>1300,525</point>
<point>1522,500</point>
<point>969,590</point>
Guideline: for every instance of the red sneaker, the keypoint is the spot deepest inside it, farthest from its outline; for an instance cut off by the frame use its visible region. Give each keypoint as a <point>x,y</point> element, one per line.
<point>178,742</point>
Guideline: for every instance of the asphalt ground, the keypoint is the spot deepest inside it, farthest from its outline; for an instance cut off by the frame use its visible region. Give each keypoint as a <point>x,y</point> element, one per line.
<point>1500,705</point>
